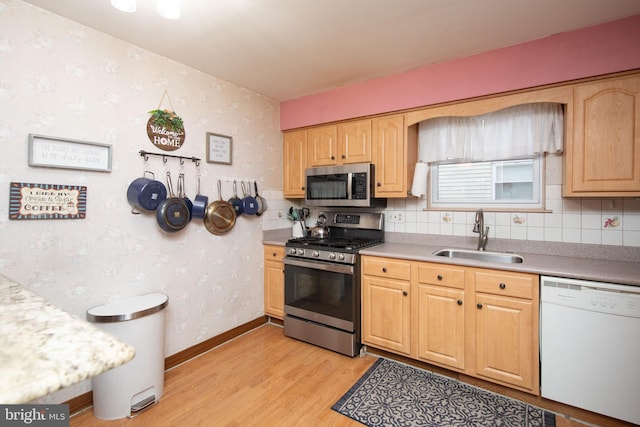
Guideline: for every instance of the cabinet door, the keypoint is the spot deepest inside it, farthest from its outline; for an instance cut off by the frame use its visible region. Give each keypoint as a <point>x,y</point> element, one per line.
<point>294,163</point>
<point>504,340</point>
<point>389,158</point>
<point>323,146</point>
<point>354,142</point>
<point>386,314</point>
<point>274,289</point>
<point>274,281</point>
<point>441,325</point>
<point>604,157</point>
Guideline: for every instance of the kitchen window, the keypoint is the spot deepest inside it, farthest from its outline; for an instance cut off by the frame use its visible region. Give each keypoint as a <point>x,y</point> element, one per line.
<point>514,183</point>
<point>495,160</point>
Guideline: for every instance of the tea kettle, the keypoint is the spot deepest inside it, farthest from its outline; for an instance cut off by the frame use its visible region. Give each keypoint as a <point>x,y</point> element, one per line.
<point>320,230</point>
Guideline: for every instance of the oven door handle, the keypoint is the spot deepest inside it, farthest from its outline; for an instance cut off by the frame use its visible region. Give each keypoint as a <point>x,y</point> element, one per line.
<point>333,268</point>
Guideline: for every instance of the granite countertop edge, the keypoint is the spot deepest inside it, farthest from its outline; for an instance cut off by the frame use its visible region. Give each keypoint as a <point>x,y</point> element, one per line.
<point>44,349</point>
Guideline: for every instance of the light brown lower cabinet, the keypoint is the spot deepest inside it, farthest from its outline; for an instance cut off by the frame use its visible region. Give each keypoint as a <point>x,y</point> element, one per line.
<point>274,281</point>
<point>480,322</point>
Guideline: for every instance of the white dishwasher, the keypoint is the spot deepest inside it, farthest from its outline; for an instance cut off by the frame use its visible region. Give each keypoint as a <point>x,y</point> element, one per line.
<point>590,346</point>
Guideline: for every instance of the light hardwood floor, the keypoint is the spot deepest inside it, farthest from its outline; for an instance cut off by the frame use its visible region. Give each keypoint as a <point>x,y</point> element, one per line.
<point>261,378</point>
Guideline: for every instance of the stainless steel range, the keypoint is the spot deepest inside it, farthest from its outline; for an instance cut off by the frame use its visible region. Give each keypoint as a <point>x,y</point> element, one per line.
<point>322,281</point>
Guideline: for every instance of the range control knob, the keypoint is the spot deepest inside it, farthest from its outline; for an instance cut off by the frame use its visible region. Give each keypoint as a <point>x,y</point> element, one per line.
<point>292,251</point>
<point>332,255</point>
<point>341,257</point>
<point>300,251</point>
<point>316,254</point>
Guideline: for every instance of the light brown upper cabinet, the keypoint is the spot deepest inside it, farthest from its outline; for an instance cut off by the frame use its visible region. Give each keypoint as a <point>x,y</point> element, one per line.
<point>322,146</point>
<point>294,163</point>
<point>603,157</point>
<point>341,144</point>
<point>395,149</point>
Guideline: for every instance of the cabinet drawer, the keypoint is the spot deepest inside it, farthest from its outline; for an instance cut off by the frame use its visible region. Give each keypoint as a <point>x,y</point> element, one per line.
<point>440,275</point>
<point>274,252</point>
<point>386,267</point>
<point>513,285</point>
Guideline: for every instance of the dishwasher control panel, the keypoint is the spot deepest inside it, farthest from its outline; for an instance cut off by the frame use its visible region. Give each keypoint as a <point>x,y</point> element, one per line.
<point>602,297</point>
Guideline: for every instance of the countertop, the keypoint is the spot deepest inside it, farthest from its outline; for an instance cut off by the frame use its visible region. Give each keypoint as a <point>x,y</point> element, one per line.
<point>577,261</point>
<point>43,348</point>
<point>623,272</point>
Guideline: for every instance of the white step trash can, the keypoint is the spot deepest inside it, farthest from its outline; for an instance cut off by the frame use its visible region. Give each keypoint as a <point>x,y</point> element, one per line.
<point>128,389</point>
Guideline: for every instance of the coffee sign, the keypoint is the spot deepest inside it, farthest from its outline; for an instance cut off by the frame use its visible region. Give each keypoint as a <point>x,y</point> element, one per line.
<point>47,201</point>
<point>165,130</point>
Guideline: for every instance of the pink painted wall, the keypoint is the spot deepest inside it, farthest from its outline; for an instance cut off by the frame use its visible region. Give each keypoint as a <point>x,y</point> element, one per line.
<point>602,49</point>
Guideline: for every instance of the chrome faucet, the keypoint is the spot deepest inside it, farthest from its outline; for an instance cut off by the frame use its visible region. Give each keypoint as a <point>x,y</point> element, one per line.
<point>483,232</point>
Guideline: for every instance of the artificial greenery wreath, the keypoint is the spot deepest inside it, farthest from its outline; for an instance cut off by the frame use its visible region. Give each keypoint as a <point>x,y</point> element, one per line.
<point>167,119</point>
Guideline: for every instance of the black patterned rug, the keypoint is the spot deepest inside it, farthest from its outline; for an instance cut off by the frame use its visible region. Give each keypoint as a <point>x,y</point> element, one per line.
<point>394,394</point>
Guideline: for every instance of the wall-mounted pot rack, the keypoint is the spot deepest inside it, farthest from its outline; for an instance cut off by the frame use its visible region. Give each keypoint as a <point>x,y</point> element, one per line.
<point>146,155</point>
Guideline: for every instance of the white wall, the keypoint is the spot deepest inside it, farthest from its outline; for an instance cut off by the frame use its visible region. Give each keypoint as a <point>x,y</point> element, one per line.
<point>58,78</point>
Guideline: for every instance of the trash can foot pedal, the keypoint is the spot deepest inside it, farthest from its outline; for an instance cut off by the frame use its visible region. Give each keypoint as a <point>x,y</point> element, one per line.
<point>138,408</point>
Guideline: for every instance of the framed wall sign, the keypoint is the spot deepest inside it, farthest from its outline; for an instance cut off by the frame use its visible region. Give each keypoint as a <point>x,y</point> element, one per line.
<point>47,201</point>
<point>219,148</point>
<point>52,152</point>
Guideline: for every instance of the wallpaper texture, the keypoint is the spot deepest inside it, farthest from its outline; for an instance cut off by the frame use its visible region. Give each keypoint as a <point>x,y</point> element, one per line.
<point>58,78</point>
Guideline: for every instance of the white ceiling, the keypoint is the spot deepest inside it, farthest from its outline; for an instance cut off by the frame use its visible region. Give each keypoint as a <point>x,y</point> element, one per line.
<point>286,49</point>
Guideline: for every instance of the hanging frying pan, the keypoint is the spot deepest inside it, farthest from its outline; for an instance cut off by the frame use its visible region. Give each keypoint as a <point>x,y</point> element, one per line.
<point>200,203</point>
<point>220,216</point>
<point>262,202</point>
<point>236,201</point>
<point>172,213</point>
<point>249,203</point>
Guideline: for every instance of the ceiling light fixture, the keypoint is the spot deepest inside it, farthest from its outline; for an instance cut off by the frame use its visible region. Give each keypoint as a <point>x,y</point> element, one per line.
<point>128,6</point>
<point>169,9</point>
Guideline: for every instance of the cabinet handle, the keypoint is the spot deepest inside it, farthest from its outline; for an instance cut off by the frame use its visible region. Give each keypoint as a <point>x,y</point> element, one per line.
<point>502,286</point>
<point>302,188</point>
<point>479,305</point>
<point>378,184</point>
<point>274,255</point>
<point>405,293</point>
<point>344,157</point>
<point>439,276</point>
<point>384,269</point>
<point>459,302</point>
<point>333,157</point>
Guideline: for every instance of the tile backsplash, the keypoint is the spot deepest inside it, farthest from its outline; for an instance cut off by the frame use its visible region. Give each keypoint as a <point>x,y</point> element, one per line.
<point>599,221</point>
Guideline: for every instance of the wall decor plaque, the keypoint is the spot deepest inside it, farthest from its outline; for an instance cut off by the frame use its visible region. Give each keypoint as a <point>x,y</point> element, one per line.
<point>165,128</point>
<point>219,149</point>
<point>47,201</point>
<point>52,152</point>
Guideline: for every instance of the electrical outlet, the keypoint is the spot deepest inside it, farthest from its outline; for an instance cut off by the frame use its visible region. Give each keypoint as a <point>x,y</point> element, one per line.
<point>395,217</point>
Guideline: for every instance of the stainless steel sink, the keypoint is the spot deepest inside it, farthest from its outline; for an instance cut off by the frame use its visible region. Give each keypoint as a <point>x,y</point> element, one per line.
<point>485,256</point>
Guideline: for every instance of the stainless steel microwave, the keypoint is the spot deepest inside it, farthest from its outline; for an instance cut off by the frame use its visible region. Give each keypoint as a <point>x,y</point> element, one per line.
<point>347,185</point>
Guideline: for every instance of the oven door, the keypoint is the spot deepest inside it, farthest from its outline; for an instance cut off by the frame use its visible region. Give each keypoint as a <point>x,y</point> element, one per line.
<point>322,292</point>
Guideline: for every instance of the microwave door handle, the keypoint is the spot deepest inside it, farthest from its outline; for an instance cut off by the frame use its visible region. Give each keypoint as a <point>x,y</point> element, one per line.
<point>349,185</point>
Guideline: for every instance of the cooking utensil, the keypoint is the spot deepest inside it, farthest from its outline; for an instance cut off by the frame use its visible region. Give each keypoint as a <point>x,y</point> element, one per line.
<point>145,194</point>
<point>220,216</point>
<point>236,201</point>
<point>183,196</point>
<point>249,203</point>
<point>320,230</point>
<point>172,213</point>
<point>200,203</point>
<point>262,202</point>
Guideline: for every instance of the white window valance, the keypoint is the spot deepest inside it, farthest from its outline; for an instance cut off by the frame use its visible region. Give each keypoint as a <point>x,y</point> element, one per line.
<point>522,130</point>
